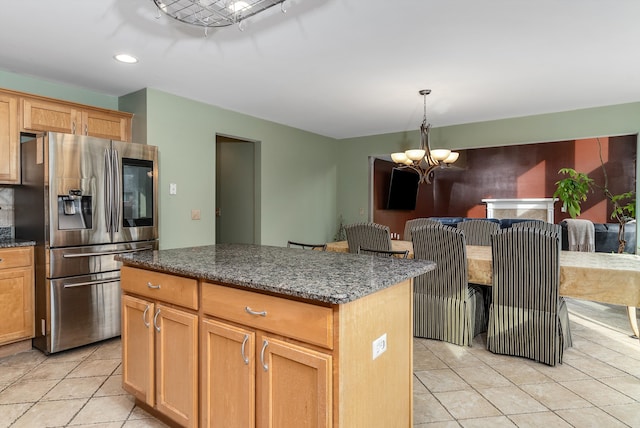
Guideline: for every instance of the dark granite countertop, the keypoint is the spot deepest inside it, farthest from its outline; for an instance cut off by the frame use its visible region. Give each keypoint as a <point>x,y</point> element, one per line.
<point>316,275</point>
<point>12,243</point>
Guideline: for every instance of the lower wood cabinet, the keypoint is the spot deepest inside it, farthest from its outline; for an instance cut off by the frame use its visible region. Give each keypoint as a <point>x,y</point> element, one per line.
<point>16,294</point>
<point>250,379</point>
<point>211,355</point>
<point>160,357</point>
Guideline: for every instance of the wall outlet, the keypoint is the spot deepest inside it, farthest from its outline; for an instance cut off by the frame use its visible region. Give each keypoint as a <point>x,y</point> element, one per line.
<point>173,188</point>
<point>379,346</point>
<point>195,214</point>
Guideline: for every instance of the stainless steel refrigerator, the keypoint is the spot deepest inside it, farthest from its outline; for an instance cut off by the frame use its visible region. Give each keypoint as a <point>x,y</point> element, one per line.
<point>83,200</point>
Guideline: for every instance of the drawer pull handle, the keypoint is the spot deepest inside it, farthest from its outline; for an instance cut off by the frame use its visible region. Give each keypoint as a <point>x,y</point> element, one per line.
<point>155,320</point>
<point>144,317</point>
<point>155,287</point>
<point>252,312</point>
<point>265,367</point>
<point>244,343</point>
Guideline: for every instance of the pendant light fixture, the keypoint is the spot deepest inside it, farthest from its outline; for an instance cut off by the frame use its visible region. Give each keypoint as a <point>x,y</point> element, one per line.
<point>424,160</point>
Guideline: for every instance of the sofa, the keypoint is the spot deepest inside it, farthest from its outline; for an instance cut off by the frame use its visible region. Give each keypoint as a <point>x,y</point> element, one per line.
<point>606,234</point>
<point>606,237</point>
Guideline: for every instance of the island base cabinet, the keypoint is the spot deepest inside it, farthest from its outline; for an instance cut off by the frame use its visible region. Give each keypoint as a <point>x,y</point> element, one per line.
<point>294,383</point>
<point>137,349</point>
<point>294,386</point>
<point>160,354</point>
<point>228,375</point>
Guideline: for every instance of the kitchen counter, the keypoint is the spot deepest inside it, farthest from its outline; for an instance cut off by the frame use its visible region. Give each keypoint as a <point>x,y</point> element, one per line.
<point>315,275</point>
<point>13,243</point>
<point>249,335</point>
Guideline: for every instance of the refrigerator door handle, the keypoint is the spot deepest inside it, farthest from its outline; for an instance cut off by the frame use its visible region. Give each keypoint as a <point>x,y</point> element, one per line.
<point>97,281</point>
<point>107,190</point>
<point>105,253</point>
<point>117,190</point>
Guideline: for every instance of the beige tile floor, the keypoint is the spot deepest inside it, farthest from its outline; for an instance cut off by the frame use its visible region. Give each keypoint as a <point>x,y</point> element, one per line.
<point>597,386</point>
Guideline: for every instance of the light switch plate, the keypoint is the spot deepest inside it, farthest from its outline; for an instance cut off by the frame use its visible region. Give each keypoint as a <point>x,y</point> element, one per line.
<point>173,188</point>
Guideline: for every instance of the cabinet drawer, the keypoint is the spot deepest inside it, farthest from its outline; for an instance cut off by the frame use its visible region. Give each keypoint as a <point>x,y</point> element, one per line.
<point>297,320</point>
<point>160,286</point>
<point>15,257</point>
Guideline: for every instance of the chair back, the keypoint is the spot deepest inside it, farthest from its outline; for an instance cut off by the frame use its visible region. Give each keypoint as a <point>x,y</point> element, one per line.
<point>410,224</point>
<point>382,253</point>
<point>539,224</point>
<point>526,317</point>
<point>446,246</point>
<point>304,246</point>
<point>526,268</point>
<point>478,232</point>
<point>368,235</point>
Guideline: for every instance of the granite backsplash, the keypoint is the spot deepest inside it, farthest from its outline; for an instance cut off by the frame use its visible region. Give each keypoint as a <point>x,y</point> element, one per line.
<point>6,213</point>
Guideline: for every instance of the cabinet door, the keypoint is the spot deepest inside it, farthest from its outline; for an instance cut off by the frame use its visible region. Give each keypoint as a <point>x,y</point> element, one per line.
<point>16,304</point>
<point>105,125</point>
<point>294,386</point>
<point>47,116</point>
<point>228,375</point>
<point>9,140</point>
<point>176,364</point>
<point>137,348</point>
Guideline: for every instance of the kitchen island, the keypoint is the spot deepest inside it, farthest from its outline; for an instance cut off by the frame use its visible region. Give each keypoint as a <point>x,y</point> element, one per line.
<point>245,335</point>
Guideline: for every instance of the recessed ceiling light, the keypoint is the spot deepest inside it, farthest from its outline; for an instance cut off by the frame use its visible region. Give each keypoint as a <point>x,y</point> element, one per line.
<point>237,6</point>
<point>126,58</point>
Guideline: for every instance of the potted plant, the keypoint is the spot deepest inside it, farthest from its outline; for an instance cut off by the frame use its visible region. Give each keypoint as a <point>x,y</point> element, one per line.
<point>573,190</point>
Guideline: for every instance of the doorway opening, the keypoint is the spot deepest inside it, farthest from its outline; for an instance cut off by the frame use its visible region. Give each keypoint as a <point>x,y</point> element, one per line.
<point>237,190</point>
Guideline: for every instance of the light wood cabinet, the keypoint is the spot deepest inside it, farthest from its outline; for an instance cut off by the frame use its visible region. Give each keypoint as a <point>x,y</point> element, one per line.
<point>16,294</point>
<point>294,381</point>
<point>42,115</point>
<point>265,360</point>
<point>159,347</point>
<point>295,385</point>
<point>9,140</point>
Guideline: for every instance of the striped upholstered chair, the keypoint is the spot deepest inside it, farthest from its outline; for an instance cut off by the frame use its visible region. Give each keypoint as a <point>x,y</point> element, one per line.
<point>478,232</point>
<point>539,224</point>
<point>527,317</point>
<point>415,222</point>
<point>372,236</point>
<point>446,306</point>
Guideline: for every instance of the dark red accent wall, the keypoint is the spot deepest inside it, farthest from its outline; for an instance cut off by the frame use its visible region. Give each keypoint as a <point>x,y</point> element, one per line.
<point>521,171</point>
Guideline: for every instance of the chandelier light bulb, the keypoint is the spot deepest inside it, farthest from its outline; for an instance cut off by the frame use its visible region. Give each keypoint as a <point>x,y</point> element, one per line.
<point>415,154</point>
<point>440,154</point>
<point>452,157</point>
<point>399,157</point>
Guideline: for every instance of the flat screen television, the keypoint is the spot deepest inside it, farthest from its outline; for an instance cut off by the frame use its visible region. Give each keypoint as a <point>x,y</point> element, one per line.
<point>403,190</point>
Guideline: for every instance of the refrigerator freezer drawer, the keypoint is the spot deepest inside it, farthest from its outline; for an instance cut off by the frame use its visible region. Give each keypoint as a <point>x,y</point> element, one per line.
<point>72,261</point>
<point>84,310</point>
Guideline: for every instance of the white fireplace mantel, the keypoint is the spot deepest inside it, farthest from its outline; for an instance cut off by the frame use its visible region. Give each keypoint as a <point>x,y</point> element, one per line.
<point>521,205</point>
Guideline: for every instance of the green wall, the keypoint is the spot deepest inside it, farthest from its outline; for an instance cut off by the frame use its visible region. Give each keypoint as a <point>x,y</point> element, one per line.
<point>353,164</point>
<point>305,180</point>
<point>44,88</point>
<point>297,171</point>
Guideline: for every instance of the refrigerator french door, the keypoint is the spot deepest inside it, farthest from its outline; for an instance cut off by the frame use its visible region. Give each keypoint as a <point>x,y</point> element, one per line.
<point>83,200</point>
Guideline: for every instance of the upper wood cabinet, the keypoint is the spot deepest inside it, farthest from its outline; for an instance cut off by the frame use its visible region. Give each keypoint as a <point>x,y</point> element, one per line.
<point>9,140</point>
<point>43,115</point>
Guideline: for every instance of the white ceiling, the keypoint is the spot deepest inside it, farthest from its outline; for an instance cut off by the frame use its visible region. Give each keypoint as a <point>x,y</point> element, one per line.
<point>344,68</point>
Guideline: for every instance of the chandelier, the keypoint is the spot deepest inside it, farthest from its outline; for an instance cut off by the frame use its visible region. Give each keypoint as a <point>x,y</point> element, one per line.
<point>424,160</point>
<point>214,13</point>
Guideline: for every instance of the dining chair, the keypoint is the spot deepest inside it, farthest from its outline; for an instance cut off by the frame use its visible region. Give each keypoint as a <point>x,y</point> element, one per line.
<point>322,247</point>
<point>368,235</point>
<point>539,224</point>
<point>478,232</point>
<point>527,317</point>
<point>446,306</point>
<point>382,253</point>
<point>410,224</point>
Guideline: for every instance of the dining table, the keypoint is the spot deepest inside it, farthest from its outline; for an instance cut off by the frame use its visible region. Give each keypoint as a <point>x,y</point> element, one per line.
<point>597,277</point>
